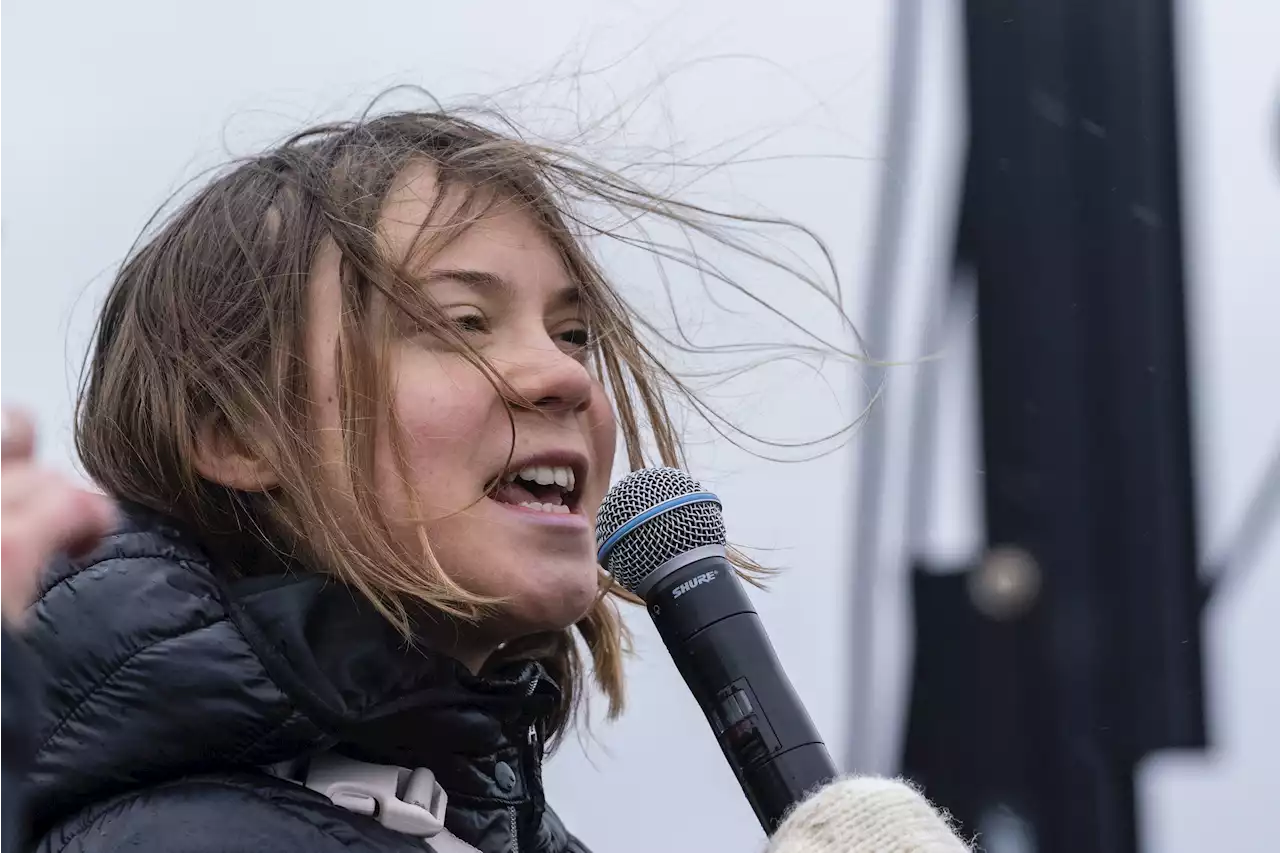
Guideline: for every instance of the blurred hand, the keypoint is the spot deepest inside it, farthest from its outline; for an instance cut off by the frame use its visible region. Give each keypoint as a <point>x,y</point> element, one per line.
<point>43,513</point>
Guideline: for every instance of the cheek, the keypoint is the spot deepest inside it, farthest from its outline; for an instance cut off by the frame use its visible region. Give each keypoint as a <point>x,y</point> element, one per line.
<point>323,388</point>
<point>440,409</point>
<point>603,426</point>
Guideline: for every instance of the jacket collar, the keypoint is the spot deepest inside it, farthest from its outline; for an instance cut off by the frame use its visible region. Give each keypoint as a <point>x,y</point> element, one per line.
<point>274,667</point>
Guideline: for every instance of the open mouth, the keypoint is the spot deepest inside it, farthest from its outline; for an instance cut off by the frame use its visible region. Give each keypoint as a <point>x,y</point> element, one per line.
<point>541,488</point>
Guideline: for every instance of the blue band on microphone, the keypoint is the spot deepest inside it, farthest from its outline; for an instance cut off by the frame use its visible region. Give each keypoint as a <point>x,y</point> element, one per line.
<point>653,512</point>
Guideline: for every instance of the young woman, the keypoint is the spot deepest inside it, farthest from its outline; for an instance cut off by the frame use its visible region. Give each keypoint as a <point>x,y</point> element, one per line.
<point>357,401</point>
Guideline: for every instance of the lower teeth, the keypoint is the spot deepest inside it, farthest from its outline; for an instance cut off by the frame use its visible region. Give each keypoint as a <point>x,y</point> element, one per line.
<point>559,509</point>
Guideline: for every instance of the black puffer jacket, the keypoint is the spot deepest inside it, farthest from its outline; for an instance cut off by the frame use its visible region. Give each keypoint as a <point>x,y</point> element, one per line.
<point>17,733</point>
<point>169,687</point>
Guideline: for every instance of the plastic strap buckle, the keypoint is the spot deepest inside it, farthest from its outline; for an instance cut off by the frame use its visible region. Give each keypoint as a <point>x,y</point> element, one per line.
<point>403,800</point>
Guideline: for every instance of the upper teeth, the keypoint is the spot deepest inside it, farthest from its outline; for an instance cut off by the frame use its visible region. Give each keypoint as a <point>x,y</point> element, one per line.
<point>546,475</point>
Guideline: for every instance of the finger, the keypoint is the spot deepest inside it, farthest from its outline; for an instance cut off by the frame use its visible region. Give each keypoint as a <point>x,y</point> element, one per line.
<point>68,519</point>
<point>21,561</point>
<point>19,576</point>
<point>55,516</point>
<point>22,480</point>
<point>102,518</point>
<point>25,483</point>
<point>17,435</point>
<point>44,513</point>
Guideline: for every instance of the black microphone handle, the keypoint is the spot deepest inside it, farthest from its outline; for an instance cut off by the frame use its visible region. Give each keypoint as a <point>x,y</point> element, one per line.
<point>720,647</point>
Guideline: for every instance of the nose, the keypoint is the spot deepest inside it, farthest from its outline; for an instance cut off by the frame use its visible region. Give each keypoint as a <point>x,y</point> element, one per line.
<point>545,377</point>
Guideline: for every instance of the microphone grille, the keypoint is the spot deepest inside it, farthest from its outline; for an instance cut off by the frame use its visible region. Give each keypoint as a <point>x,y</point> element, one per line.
<point>645,546</point>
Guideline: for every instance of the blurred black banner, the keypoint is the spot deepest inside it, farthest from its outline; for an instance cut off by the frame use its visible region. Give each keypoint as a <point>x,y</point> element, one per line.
<point>1045,674</point>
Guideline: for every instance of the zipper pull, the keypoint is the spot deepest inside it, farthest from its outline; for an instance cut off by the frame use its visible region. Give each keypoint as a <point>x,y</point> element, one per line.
<point>533,735</point>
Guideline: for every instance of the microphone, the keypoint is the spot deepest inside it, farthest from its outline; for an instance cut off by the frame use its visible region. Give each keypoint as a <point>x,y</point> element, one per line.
<point>661,536</point>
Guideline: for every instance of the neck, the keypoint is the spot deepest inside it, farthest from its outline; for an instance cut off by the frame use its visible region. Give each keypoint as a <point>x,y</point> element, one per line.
<point>473,659</point>
<point>464,642</point>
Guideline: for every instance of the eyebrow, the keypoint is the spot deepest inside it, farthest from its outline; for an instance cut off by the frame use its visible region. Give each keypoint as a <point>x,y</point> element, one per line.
<point>492,284</point>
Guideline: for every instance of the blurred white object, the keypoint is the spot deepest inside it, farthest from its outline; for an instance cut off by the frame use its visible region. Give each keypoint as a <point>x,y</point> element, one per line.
<point>866,814</point>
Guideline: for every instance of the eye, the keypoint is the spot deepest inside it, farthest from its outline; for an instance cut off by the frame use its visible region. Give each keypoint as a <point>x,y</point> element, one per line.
<point>471,322</point>
<point>577,339</point>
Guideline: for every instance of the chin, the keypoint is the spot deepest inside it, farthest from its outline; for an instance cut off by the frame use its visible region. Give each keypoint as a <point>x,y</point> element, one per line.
<point>557,598</point>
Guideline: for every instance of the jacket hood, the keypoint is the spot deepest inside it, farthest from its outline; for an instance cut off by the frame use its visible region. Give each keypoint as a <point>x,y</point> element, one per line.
<point>159,667</point>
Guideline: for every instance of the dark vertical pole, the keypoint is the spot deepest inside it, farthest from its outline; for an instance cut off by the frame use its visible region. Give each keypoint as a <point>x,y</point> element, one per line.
<point>1072,226</point>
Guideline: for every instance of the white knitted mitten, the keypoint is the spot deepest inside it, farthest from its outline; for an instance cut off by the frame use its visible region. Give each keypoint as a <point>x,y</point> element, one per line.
<point>866,815</point>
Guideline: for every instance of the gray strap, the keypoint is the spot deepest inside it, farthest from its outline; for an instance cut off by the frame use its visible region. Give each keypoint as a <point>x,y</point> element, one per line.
<point>445,841</point>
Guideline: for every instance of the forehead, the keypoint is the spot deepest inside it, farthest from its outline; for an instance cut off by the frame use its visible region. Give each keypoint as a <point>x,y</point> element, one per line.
<point>464,232</point>
<point>413,199</point>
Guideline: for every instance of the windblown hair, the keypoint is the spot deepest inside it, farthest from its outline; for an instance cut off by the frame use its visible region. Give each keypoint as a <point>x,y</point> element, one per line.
<point>204,332</point>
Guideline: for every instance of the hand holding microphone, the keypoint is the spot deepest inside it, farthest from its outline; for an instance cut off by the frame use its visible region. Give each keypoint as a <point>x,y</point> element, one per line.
<point>662,537</point>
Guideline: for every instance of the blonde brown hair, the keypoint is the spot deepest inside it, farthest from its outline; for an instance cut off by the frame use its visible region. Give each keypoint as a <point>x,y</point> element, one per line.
<point>204,330</point>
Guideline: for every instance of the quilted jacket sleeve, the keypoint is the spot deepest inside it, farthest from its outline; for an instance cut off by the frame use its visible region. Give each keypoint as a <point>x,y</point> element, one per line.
<point>17,737</point>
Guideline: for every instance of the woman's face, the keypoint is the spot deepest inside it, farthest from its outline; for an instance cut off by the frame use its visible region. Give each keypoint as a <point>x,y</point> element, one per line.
<point>503,282</point>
